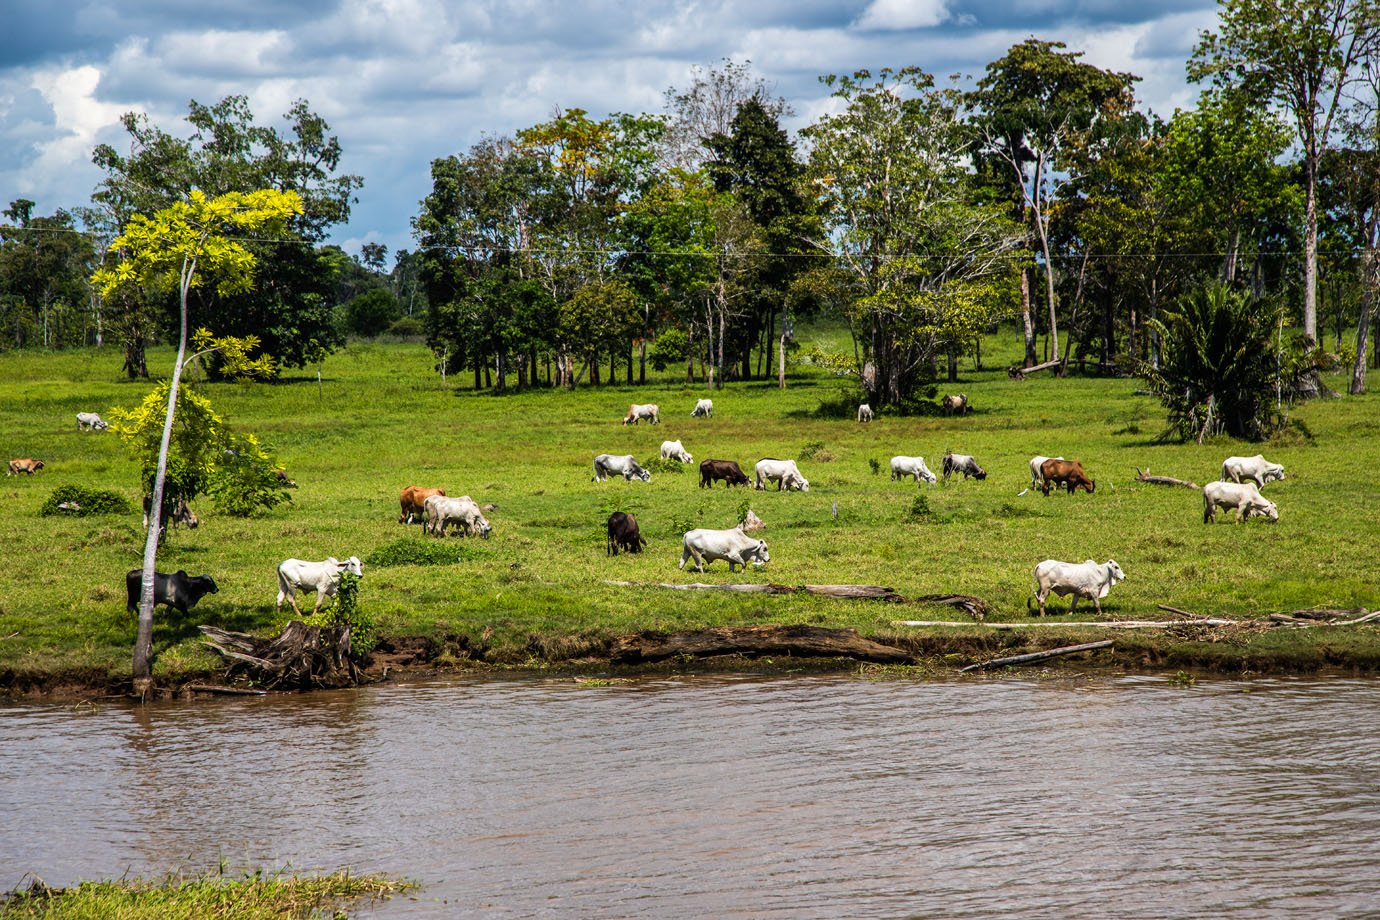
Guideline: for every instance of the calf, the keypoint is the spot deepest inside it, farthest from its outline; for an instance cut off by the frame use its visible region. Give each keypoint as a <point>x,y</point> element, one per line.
<point>412,501</point>
<point>865,413</point>
<point>711,471</point>
<point>1081,579</point>
<point>637,412</point>
<point>623,534</point>
<point>704,408</point>
<point>24,465</point>
<point>91,421</point>
<point>955,405</point>
<point>674,450</point>
<point>322,577</point>
<point>179,590</point>
<point>463,511</point>
<point>962,463</point>
<point>1068,473</point>
<point>1243,497</point>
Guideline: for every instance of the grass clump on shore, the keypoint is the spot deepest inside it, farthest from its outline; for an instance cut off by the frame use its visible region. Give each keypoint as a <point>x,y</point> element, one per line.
<point>257,896</point>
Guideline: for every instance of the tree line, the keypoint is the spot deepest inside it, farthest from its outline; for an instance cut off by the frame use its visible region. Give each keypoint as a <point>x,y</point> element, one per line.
<point>919,212</point>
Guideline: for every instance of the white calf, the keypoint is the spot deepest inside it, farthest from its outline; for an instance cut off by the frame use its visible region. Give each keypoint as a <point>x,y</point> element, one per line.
<point>704,408</point>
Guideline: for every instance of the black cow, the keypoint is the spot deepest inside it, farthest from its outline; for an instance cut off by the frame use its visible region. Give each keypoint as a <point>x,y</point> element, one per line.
<point>623,534</point>
<point>727,470</point>
<point>178,590</point>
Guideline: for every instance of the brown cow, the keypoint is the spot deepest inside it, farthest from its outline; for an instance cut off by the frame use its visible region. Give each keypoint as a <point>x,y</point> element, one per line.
<point>413,502</point>
<point>1068,472</point>
<point>728,470</point>
<point>624,534</point>
<point>24,465</point>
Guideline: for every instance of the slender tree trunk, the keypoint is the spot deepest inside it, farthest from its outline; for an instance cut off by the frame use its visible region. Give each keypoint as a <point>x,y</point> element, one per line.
<point>1370,282</point>
<point>1229,263</point>
<point>781,354</point>
<point>953,365</point>
<point>502,372</point>
<point>690,356</point>
<point>1310,246</point>
<point>1027,323</point>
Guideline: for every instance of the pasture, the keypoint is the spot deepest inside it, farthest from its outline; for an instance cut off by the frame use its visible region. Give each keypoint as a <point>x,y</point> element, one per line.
<point>380,419</point>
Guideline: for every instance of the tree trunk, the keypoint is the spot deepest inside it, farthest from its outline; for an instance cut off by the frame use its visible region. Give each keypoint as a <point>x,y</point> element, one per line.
<point>1370,284</point>
<point>1027,324</point>
<point>953,365</point>
<point>502,372</point>
<point>781,360</point>
<point>1310,246</point>
<point>135,364</point>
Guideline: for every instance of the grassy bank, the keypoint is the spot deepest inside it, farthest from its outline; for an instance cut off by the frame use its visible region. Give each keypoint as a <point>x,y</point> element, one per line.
<point>255,897</point>
<point>380,419</point>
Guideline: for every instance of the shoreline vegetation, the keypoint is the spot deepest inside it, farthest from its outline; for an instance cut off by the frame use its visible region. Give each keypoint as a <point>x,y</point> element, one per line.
<point>542,597</point>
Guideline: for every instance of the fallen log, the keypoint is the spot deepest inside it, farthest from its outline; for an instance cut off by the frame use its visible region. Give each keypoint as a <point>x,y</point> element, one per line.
<point>975,607</point>
<point>1084,624</point>
<point>1020,373</point>
<point>223,691</point>
<point>301,657</point>
<point>1164,480</point>
<point>754,642</point>
<point>1035,656</point>
<point>847,592</point>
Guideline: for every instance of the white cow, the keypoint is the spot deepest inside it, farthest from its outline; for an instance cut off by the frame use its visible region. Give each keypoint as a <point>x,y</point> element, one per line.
<point>1081,579</point>
<point>674,450</point>
<point>733,546</point>
<point>782,472</point>
<point>1244,497</point>
<point>1240,469</point>
<point>911,466</point>
<point>703,409</point>
<point>322,577</point>
<point>865,413</point>
<point>637,412</point>
<point>463,511</point>
<point>91,421</point>
<point>1037,475</point>
<point>606,465</point>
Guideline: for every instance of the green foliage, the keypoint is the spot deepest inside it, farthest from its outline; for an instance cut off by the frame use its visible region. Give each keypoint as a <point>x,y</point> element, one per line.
<point>659,464</point>
<point>44,264</point>
<point>920,507</point>
<point>346,611</point>
<point>228,357</point>
<point>372,312</point>
<point>88,501</point>
<point>411,551</point>
<point>669,348</point>
<point>816,451</point>
<point>407,327</point>
<point>875,465</point>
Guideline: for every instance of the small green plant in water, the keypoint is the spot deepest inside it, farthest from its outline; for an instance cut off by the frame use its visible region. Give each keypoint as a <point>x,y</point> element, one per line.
<point>346,612</point>
<point>1183,679</point>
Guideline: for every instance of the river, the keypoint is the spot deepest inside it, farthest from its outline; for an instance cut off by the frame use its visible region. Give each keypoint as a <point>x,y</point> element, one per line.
<point>744,797</point>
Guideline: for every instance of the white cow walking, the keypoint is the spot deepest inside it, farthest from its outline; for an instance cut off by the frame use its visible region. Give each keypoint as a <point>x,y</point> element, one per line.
<point>1257,468</point>
<point>1081,579</point>
<point>322,577</point>
<point>733,546</point>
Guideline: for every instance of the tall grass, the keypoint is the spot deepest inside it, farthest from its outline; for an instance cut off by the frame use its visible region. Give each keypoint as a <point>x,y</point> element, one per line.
<point>381,419</point>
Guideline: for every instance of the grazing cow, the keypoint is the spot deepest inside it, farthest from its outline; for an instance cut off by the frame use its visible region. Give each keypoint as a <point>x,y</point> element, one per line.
<point>636,413</point>
<point>623,534</point>
<point>782,472</point>
<point>733,546</point>
<point>1037,476</point>
<point>704,408</point>
<point>711,471</point>
<point>91,421</point>
<point>463,511</point>
<point>865,413</point>
<point>24,465</point>
<point>1068,473</point>
<point>674,450</point>
<point>322,577</point>
<point>955,405</point>
<point>1244,497</point>
<point>284,480</point>
<point>962,463</point>
<point>1240,469</point>
<point>179,590</point>
<point>1081,579</point>
<point>606,465</point>
<point>178,512</point>
<point>911,466</point>
<point>412,501</point>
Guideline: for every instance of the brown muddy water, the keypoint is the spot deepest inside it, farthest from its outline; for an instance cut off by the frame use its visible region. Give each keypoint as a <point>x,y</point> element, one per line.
<point>719,797</point>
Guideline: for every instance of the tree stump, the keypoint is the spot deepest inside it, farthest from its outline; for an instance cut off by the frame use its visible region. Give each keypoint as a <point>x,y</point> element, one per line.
<point>302,657</point>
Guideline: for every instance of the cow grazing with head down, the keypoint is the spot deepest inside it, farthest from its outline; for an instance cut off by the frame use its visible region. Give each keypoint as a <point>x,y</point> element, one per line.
<point>24,465</point>
<point>179,590</point>
<point>911,466</point>
<point>962,463</point>
<point>91,421</point>
<point>711,471</point>
<point>412,501</point>
<point>637,412</point>
<point>784,473</point>
<point>463,512</point>
<point>624,534</point>
<point>1068,473</point>
<point>322,577</point>
<point>1242,497</point>
<point>1087,580</point>
<point>865,413</point>
<point>674,450</point>
<point>606,465</point>
<point>1037,475</point>
<point>1257,469</point>
<point>955,405</point>
<point>704,408</point>
<point>733,546</point>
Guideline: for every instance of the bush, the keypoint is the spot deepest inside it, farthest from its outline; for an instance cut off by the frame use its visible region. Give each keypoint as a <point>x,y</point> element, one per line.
<point>669,348</point>
<point>816,451</point>
<point>346,612</point>
<point>420,552</point>
<point>409,327</point>
<point>920,507</point>
<point>88,501</point>
<point>372,312</point>
<point>662,465</point>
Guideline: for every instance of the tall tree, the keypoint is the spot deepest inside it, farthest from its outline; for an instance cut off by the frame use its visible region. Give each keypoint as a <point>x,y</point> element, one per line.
<point>707,108</point>
<point>929,262</point>
<point>45,264</point>
<point>1302,55</point>
<point>1036,110</point>
<point>177,249</point>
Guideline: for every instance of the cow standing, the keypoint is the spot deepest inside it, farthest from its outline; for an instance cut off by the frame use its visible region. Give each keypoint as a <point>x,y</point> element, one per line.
<point>24,465</point>
<point>606,465</point>
<point>704,408</point>
<point>962,463</point>
<point>624,534</point>
<point>1068,473</point>
<point>412,501</point>
<point>179,590</point>
<point>322,577</point>
<point>637,412</point>
<point>733,546</point>
<point>711,471</point>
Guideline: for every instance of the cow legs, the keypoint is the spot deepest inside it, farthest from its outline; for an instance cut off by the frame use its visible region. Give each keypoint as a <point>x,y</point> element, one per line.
<point>1040,597</point>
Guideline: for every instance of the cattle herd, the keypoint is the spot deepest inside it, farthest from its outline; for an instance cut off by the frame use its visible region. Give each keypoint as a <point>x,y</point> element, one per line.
<point>1239,490</point>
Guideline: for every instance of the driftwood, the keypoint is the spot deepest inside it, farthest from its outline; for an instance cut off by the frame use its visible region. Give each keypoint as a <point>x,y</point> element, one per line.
<point>975,607</point>
<point>223,691</point>
<point>847,592</point>
<point>302,656</point>
<point>1163,480</point>
<point>754,641</point>
<point>1082,624</point>
<point>1020,373</point>
<point>1036,656</point>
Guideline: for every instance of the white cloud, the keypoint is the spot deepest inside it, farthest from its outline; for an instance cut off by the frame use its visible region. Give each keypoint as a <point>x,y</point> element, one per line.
<point>899,15</point>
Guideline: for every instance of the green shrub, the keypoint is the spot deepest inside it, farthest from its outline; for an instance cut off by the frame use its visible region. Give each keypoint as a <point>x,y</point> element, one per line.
<point>875,464</point>
<point>372,312</point>
<point>346,612</point>
<point>88,501</point>
<point>920,507</point>
<point>662,465</point>
<point>408,327</point>
<point>420,552</point>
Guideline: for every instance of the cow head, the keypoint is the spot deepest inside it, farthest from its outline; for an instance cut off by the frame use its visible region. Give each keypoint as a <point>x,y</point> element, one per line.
<point>979,472</point>
<point>795,481</point>
<point>1274,472</point>
<point>1114,573</point>
<point>484,527</point>
<point>1264,508</point>
<point>102,425</point>
<point>640,473</point>
<point>758,554</point>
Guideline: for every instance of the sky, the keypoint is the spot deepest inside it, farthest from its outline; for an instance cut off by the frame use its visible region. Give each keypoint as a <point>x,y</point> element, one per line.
<point>403,82</point>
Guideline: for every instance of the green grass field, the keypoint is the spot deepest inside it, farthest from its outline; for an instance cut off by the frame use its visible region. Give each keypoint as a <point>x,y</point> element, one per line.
<point>381,419</point>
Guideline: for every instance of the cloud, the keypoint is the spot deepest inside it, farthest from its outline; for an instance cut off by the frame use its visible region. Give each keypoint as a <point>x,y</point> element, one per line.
<point>903,14</point>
